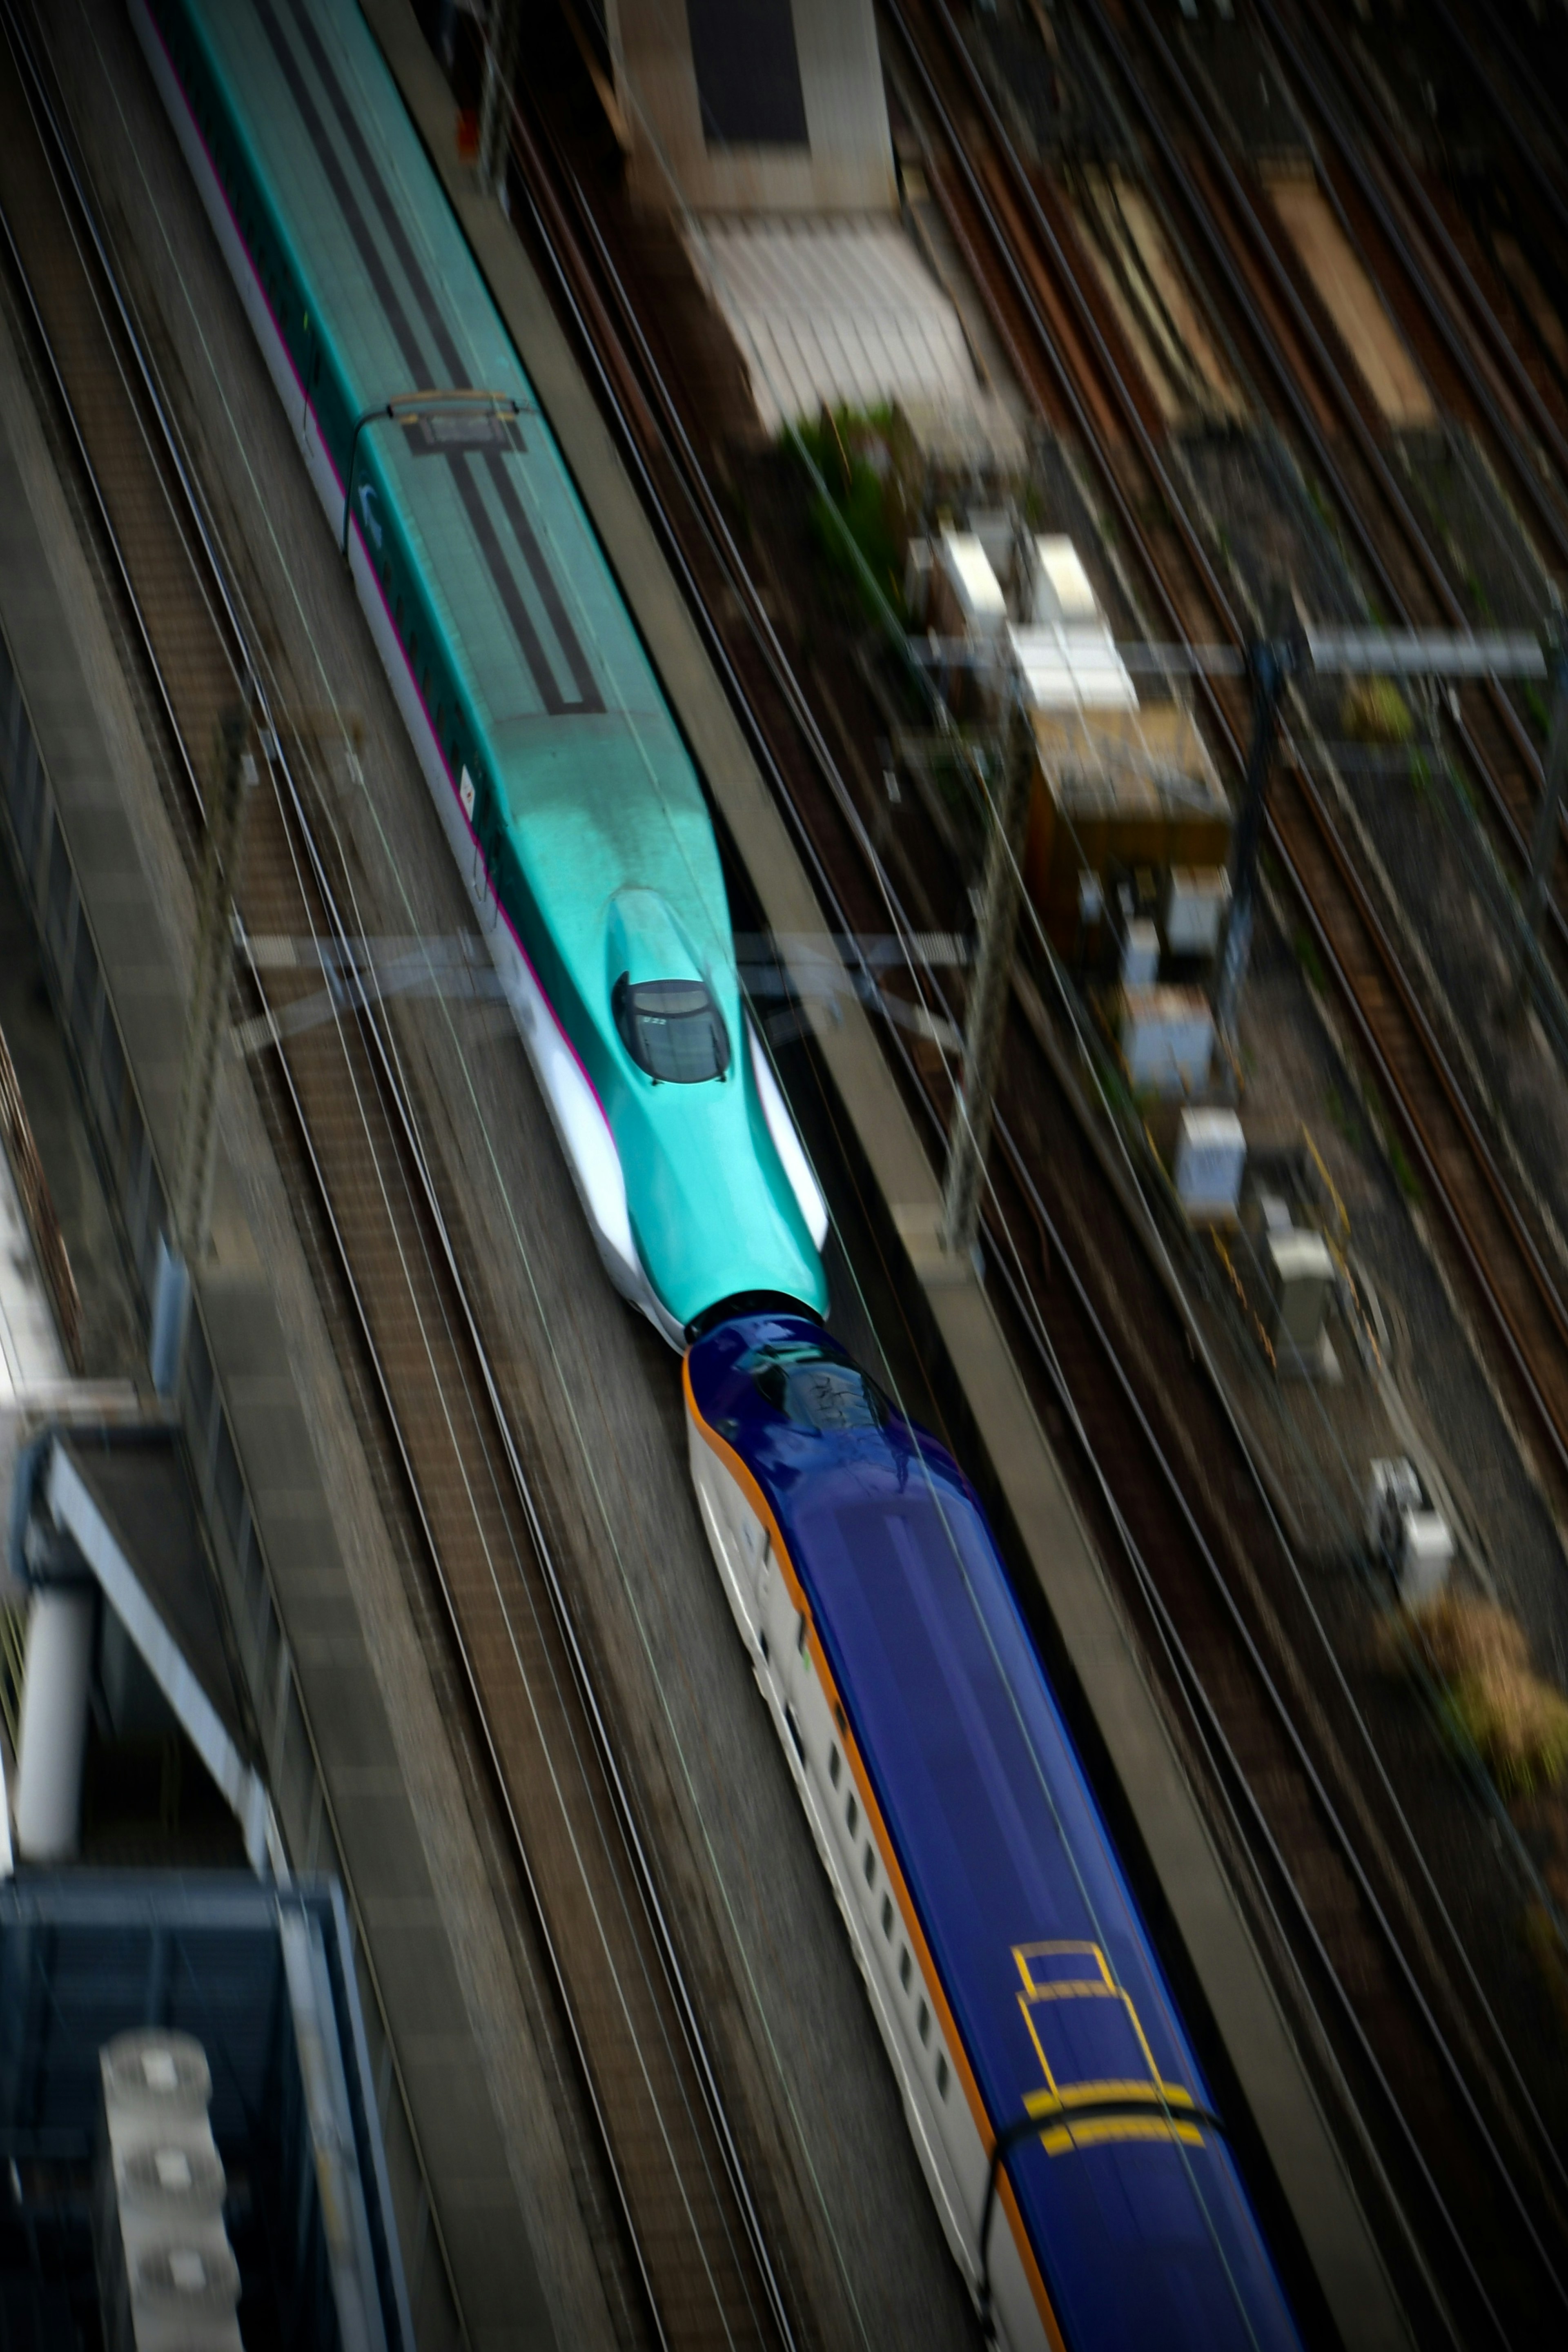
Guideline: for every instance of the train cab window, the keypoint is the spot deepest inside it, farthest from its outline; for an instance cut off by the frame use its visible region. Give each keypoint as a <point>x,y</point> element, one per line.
<point>852,1814</point>
<point>925,2023</point>
<point>888,1917</point>
<point>941,2077</point>
<point>671,1028</point>
<point>816,1389</point>
<point>834,1766</point>
<point>904,1968</point>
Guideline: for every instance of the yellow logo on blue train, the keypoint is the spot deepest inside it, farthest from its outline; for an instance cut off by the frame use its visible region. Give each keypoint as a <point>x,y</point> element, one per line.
<point>1100,2081</point>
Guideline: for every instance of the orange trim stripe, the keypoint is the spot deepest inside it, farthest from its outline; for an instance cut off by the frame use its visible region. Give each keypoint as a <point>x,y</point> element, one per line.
<point>739,1471</point>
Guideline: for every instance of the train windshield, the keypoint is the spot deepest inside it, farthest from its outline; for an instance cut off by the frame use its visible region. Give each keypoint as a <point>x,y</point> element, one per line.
<point>672,1029</point>
<point>819,1390</point>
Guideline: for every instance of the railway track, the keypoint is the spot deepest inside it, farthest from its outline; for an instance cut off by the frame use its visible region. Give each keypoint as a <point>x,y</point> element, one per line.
<point>1509,1279</point>
<point>1451,313</point>
<point>691,2234</point>
<point>1331,1889</point>
<point>1331,418</point>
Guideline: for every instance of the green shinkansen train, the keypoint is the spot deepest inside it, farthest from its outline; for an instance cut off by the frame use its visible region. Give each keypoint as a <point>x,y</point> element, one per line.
<point>567,796</point>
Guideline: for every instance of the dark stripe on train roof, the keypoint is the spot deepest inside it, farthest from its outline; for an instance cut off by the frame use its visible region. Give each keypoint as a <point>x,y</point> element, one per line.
<point>454,367</point>
<point>540,667</point>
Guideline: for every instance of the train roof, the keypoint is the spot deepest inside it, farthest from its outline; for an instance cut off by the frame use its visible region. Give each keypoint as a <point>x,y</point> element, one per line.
<point>603,805</point>
<point>1133,2200</point>
<point>545,643</point>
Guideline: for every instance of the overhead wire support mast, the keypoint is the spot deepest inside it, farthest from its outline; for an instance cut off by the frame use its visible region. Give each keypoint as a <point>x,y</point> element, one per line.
<point>185,1244</point>
<point>1271,664</point>
<point>620,399</point>
<point>1000,895</point>
<point>1546,817</point>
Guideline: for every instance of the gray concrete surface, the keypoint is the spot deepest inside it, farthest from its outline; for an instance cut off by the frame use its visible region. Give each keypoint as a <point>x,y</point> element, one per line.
<point>594,1394</point>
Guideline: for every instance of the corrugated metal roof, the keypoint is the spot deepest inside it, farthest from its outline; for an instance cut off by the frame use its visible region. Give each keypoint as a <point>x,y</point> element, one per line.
<point>833,313</point>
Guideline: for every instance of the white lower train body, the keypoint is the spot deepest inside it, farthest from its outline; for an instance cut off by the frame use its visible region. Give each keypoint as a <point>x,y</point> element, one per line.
<point>944,2127</point>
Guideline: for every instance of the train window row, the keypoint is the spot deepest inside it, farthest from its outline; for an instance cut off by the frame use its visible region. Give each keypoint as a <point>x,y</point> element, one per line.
<point>889,1914</point>
<point>448,737</point>
<point>259,243</point>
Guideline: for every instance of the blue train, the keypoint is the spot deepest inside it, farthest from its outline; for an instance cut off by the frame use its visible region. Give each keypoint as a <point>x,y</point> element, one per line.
<point>1081,2177</point>
<point>574,812</point>
<point>1069,2140</point>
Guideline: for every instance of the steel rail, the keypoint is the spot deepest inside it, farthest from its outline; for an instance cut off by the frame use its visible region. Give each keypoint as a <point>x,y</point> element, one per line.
<point>1370,1039</point>
<point>572,293</point>
<point>1546,1283</point>
<point>327,1208</point>
<point>1397,163</point>
<point>1555,1426</point>
<point>1188,1678</point>
<point>1480,71</point>
<point>394,1091</point>
<point>1284,375</point>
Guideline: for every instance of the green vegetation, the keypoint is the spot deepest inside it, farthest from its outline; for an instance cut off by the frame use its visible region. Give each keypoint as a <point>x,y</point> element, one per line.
<point>1307,956</point>
<point>1343,1119</point>
<point>1320,504</point>
<point>1375,711</point>
<point>1405,1175</point>
<point>1478,596</point>
<point>1495,1705</point>
<point>848,448</point>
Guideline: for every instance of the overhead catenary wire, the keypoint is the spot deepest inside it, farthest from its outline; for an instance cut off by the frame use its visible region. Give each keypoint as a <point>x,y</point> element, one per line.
<point>884,885</point>
<point>236,631</point>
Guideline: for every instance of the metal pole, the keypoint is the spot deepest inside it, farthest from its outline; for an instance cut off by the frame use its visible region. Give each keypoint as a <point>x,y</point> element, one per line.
<point>185,1244</point>
<point>1269,664</point>
<point>495,102</point>
<point>1544,848</point>
<point>988,990</point>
